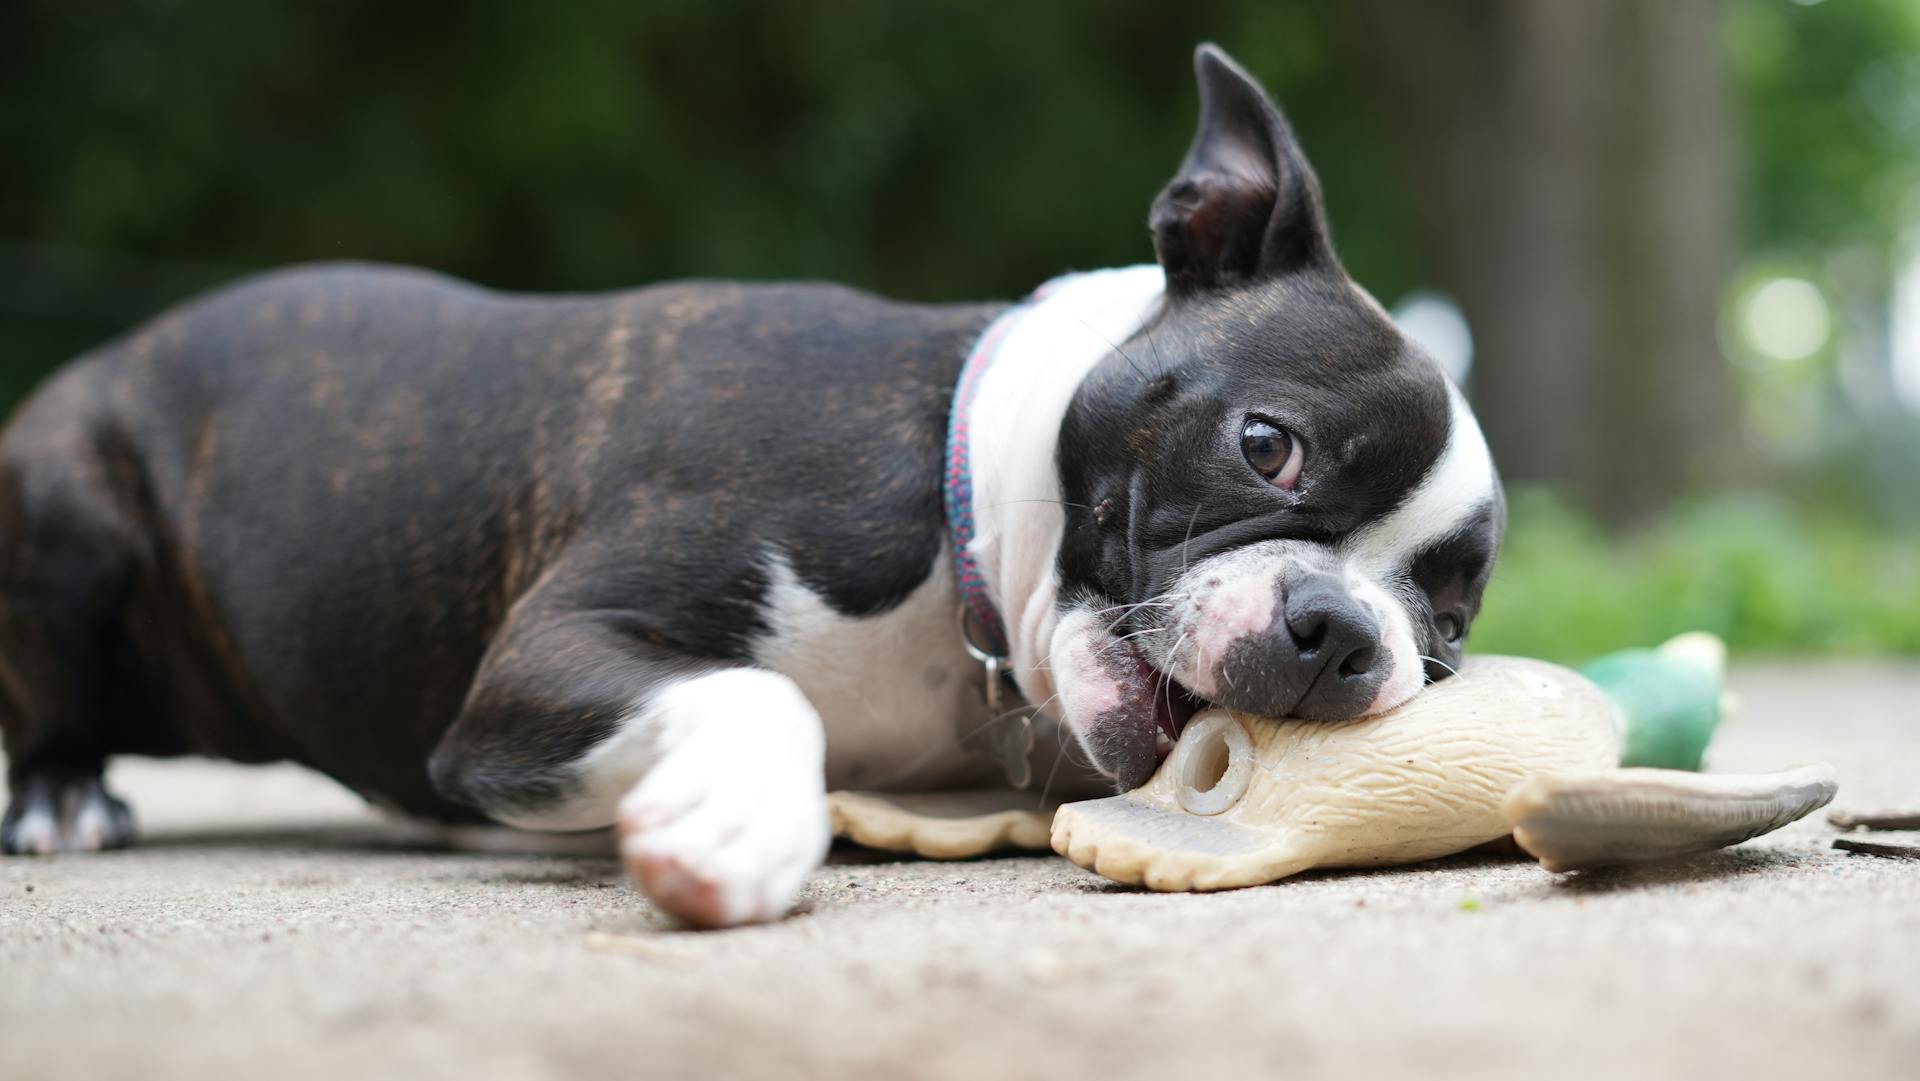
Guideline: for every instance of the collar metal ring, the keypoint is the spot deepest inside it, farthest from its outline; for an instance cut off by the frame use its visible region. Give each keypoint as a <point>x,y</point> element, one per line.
<point>995,664</point>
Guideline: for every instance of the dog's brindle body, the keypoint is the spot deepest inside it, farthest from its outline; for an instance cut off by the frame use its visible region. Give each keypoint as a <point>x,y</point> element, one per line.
<point>676,557</point>
<point>290,521</point>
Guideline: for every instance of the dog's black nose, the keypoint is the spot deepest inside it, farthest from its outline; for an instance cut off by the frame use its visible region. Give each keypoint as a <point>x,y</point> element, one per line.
<point>1319,660</point>
<point>1335,645</point>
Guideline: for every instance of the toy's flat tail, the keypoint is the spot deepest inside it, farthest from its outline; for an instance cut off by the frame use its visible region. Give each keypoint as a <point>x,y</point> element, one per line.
<point>942,825</point>
<point>1573,822</point>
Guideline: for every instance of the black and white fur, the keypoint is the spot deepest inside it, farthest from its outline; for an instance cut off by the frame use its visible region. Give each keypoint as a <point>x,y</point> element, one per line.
<point>674,559</point>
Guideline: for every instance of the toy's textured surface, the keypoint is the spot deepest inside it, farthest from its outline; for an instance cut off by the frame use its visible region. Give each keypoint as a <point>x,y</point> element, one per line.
<point>1570,823</point>
<point>1421,781</point>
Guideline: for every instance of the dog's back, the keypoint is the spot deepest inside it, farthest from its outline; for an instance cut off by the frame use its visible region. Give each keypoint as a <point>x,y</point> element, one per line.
<point>286,520</point>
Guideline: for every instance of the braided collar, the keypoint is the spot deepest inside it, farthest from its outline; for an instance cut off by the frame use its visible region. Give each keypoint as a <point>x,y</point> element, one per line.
<point>982,624</point>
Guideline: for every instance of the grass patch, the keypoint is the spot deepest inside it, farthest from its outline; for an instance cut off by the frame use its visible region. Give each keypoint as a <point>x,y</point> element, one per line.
<point>1763,576</point>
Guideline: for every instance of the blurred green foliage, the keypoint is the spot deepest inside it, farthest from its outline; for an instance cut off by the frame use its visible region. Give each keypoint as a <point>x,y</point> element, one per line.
<point>936,149</point>
<point>1766,575</point>
<point>1830,101</point>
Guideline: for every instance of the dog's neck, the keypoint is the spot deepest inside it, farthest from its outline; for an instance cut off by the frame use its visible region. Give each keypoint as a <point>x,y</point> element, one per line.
<point>1014,423</point>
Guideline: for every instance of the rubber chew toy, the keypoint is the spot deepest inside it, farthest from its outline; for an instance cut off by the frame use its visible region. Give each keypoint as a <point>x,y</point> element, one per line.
<point>1244,800</point>
<point>1509,746</point>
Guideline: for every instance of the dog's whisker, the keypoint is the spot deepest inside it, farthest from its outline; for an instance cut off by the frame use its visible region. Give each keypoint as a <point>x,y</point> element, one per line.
<point>1155,346</point>
<point>1114,623</point>
<point>1192,518</point>
<point>1174,653</point>
<point>1166,678</point>
<point>1455,672</point>
<point>1046,786</point>
<point>1069,749</point>
<point>962,738</point>
<point>1142,372</point>
<point>1160,600</point>
<point>1064,748</point>
<point>1138,633</point>
<point>1136,604</point>
<point>1055,502</point>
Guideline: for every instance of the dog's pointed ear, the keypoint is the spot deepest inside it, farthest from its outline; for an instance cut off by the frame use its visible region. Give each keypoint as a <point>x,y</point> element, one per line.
<point>1245,204</point>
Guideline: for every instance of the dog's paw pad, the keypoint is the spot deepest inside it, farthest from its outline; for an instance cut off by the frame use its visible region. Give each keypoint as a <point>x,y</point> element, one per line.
<point>688,894</point>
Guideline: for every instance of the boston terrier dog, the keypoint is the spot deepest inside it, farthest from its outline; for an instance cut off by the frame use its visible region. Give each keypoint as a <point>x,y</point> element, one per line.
<point>679,559</point>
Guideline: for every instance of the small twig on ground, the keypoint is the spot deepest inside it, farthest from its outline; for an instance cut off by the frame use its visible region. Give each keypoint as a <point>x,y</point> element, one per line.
<point>1868,848</point>
<point>639,946</point>
<point>1875,820</point>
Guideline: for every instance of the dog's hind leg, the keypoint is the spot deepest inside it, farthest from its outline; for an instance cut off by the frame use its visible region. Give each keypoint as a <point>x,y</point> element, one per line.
<point>56,810</point>
<point>64,566</point>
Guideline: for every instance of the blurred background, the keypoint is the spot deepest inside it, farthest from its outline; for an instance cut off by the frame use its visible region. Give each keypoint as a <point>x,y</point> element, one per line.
<point>1671,246</point>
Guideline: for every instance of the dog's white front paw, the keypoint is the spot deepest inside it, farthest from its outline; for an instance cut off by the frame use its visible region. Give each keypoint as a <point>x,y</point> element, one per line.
<point>720,834</point>
<point>718,850</point>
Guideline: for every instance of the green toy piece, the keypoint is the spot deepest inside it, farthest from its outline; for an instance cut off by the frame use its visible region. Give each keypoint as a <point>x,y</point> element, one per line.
<point>1670,699</point>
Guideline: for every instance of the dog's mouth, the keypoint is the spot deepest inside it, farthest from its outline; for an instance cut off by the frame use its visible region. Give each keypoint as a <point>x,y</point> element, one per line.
<point>1120,697</point>
<point>1173,707</point>
<point>1156,703</point>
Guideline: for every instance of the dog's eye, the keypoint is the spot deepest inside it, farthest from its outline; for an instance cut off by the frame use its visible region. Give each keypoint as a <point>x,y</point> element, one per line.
<point>1449,626</point>
<point>1271,452</point>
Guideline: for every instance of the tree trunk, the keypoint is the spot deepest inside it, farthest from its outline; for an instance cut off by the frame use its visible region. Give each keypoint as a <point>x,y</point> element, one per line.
<point>1569,164</point>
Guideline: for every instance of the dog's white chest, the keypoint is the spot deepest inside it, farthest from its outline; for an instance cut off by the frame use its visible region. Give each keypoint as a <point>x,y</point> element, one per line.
<point>895,691</point>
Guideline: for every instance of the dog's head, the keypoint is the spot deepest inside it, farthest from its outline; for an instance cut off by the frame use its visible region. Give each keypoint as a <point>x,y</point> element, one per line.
<point>1275,501</point>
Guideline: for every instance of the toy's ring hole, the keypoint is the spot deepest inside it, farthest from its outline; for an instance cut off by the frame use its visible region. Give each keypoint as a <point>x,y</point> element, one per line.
<point>1212,763</point>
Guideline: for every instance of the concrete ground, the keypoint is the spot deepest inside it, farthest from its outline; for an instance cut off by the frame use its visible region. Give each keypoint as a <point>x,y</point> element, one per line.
<point>270,925</point>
